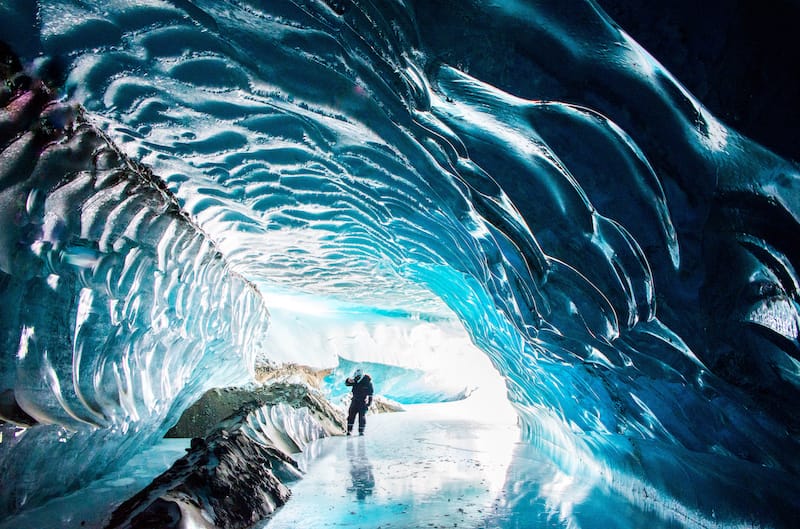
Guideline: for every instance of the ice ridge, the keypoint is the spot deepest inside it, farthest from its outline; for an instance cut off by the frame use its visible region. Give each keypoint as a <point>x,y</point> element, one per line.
<point>627,261</point>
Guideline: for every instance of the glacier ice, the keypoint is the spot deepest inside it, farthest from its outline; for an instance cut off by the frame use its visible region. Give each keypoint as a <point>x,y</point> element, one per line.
<point>522,169</point>
<point>108,325</point>
<point>233,477</point>
<point>437,464</point>
<point>400,384</point>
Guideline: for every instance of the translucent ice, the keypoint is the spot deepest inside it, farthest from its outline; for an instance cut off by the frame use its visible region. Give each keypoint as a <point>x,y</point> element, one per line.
<point>523,170</point>
<point>402,385</point>
<point>118,311</point>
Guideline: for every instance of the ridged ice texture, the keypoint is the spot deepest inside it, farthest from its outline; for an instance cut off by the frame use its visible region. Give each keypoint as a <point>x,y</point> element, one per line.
<point>117,310</point>
<point>290,429</point>
<point>626,260</point>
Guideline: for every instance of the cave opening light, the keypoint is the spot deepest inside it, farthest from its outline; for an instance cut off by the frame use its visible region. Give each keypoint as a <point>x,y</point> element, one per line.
<point>323,332</point>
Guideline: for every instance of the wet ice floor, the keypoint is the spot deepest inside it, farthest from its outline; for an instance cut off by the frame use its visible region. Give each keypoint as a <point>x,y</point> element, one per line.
<point>90,508</point>
<point>462,465</point>
<point>440,465</point>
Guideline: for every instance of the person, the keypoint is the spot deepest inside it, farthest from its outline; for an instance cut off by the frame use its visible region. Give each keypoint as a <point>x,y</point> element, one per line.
<point>361,401</point>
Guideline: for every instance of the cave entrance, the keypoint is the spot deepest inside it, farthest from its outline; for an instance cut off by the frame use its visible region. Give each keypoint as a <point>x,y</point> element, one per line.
<point>413,358</point>
<point>444,460</point>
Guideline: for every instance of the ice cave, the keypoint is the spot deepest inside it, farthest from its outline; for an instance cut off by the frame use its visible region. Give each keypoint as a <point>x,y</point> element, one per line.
<point>575,277</point>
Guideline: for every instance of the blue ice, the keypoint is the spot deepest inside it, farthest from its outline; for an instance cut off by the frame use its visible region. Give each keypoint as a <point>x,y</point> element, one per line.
<point>192,188</point>
<point>440,464</point>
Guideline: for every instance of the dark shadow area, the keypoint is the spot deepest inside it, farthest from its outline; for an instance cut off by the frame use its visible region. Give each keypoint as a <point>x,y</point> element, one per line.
<point>738,57</point>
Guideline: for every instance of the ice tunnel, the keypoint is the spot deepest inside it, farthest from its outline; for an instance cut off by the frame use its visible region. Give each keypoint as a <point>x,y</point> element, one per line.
<point>174,171</point>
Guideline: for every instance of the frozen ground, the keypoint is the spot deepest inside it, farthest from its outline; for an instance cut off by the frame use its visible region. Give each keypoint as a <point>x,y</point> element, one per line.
<point>89,508</point>
<point>435,465</point>
<point>461,464</point>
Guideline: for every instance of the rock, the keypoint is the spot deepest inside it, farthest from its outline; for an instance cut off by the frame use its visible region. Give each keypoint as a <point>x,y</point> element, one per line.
<point>381,405</point>
<point>235,471</point>
<point>230,479</point>
<point>216,404</point>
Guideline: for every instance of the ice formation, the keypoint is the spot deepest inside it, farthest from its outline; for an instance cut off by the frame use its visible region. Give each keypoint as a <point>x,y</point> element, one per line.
<point>624,259</point>
<point>399,384</point>
<point>233,477</point>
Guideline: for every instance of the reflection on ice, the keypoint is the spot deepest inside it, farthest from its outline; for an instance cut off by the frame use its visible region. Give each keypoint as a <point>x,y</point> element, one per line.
<point>362,480</point>
<point>440,464</point>
<point>700,491</point>
<point>523,169</point>
<point>460,464</point>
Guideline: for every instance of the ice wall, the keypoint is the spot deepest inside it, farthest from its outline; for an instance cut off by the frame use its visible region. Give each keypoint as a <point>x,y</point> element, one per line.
<point>117,310</point>
<point>625,259</point>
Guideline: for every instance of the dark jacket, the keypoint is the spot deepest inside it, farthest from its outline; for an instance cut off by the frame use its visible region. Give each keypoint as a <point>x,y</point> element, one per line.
<point>362,391</point>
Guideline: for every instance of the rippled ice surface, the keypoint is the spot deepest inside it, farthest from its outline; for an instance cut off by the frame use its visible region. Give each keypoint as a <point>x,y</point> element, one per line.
<point>524,169</point>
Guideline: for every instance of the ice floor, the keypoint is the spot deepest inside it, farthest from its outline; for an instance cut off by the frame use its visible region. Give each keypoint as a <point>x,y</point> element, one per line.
<point>438,465</point>
<point>90,508</point>
<point>462,465</point>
